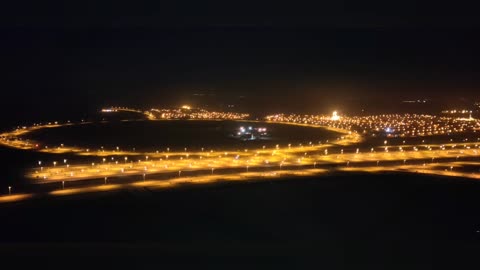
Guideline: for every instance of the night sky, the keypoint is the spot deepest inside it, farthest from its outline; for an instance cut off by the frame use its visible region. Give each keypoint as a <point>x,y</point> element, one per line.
<point>67,59</point>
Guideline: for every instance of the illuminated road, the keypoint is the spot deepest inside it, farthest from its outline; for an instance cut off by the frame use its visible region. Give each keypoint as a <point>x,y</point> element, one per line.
<point>155,169</point>
<point>314,155</point>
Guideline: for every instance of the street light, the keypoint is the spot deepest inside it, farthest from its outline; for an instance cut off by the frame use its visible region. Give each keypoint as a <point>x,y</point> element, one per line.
<point>9,190</point>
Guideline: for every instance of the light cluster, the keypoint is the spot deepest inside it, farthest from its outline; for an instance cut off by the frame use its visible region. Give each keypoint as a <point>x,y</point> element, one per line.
<point>188,113</point>
<point>390,125</point>
<point>348,153</point>
<point>457,111</point>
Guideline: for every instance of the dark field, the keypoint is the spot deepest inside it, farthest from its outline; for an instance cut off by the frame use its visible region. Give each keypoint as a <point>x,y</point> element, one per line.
<point>175,134</point>
<point>382,221</point>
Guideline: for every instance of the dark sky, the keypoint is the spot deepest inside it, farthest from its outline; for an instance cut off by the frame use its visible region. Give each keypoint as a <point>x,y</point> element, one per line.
<point>73,57</point>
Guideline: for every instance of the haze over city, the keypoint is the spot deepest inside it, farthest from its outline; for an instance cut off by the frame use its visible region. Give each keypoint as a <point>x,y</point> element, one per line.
<point>281,57</point>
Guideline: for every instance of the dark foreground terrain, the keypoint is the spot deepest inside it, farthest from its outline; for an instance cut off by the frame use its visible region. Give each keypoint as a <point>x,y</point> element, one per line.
<point>388,221</point>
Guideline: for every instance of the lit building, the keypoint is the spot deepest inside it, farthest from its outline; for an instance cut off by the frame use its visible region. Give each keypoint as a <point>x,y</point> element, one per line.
<point>335,116</point>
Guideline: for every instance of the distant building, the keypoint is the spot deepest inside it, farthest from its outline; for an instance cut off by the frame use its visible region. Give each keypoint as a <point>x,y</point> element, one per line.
<point>335,116</point>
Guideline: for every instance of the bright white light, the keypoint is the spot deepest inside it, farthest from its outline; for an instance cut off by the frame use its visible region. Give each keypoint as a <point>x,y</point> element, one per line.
<point>335,116</point>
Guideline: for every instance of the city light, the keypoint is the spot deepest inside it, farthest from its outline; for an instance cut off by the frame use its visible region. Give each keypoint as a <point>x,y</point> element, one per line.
<point>335,116</point>
<point>348,149</point>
